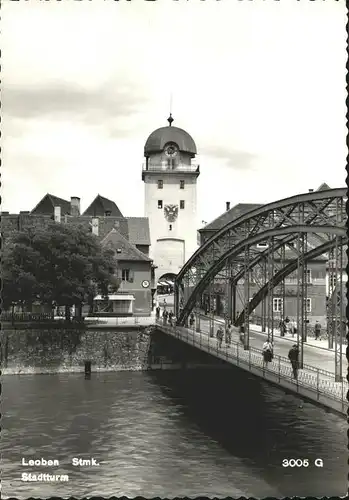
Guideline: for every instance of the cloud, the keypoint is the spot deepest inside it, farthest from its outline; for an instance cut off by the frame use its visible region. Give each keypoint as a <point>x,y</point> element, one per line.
<point>66,100</point>
<point>233,158</point>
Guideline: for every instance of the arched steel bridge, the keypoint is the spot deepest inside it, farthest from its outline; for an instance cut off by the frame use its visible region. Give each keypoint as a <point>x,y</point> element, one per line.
<point>306,226</point>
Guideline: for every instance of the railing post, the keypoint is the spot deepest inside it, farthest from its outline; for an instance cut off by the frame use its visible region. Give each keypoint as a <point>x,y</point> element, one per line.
<point>249,359</point>
<point>237,353</point>
<point>279,367</point>
<point>317,383</point>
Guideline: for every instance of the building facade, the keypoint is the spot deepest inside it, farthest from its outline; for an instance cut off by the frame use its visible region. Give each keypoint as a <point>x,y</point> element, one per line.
<point>170,178</point>
<point>129,238</point>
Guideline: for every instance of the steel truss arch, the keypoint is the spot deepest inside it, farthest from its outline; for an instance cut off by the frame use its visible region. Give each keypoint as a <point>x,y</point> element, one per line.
<point>313,215</point>
<point>283,273</point>
<point>238,249</point>
<point>321,208</point>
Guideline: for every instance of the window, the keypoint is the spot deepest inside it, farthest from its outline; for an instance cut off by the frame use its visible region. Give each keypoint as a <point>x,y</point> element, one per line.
<point>181,184</point>
<point>159,203</point>
<point>170,227</point>
<point>160,184</point>
<point>277,304</point>
<point>308,305</point>
<point>182,204</point>
<point>262,245</point>
<point>127,275</point>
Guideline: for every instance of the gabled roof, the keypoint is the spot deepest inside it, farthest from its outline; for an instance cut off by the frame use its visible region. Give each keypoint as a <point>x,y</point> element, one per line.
<point>138,230</point>
<point>230,215</point>
<point>124,250</point>
<point>101,205</point>
<point>323,187</point>
<point>50,201</point>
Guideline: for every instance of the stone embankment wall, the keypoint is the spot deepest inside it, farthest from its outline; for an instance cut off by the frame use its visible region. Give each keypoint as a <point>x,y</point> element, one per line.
<point>64,350</point>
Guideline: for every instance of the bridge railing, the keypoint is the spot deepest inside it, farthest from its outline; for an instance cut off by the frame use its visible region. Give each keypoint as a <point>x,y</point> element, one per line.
<point>327,373</point>
<point>318,381</point>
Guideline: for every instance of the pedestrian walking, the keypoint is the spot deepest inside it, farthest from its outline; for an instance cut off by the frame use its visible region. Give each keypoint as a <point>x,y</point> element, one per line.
<point>242,333</point>
<point>220,335</point>
<point>293,356</point>
<point>192,319</point>
<point>317,330</point>
<point>157,312</point>
<point>228,332</point>
<point>293,328</point>
<point>268,351</point>
<point>170,317</point>
<point>164,317</point>
<point>282,327</point>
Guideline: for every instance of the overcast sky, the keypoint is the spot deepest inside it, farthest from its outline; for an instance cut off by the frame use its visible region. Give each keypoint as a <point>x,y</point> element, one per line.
<point>260,86</point>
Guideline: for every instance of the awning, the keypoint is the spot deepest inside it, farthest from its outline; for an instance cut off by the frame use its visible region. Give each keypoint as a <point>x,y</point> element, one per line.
<point>116,297</point>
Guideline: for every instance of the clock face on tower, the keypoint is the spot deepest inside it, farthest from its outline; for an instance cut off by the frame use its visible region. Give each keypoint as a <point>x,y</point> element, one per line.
<point>171,150</point>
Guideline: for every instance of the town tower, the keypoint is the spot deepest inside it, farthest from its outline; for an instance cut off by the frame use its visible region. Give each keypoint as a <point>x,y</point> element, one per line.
<point>170,175</point>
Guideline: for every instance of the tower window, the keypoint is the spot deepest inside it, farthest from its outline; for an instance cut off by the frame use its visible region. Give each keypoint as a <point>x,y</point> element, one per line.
<point>159,203</point>
<point>170,227</point>
<point>181,184</point>
<point>160,184</point>
<point>181,204</point>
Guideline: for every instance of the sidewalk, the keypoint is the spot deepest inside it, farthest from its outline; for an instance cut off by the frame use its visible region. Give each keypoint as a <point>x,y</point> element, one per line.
<point>320,344</point>
<point>311,342</point>
<point>322,359</point>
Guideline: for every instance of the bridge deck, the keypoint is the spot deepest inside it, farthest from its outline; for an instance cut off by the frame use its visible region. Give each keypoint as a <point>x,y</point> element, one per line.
<point>314,382</point>
<point>316,353</point>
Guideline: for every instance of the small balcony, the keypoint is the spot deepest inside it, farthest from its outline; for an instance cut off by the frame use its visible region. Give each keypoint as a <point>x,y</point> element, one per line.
<point>170,169</point>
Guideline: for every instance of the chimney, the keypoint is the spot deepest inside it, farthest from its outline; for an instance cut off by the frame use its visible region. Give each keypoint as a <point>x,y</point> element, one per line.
<point>311,190</point>
<point>74,206</point>
<point>227,205</point>
<point>57,214</point>
<point>95,226</point>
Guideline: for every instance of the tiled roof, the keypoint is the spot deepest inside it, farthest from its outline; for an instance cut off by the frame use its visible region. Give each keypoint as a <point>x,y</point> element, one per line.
<point>124,250</point>
<point>55,201</point>
<point>230,215</point>
<point>323,187</point>
<point>138,230</point>
<point>134,229</point>
<point>100,205</point>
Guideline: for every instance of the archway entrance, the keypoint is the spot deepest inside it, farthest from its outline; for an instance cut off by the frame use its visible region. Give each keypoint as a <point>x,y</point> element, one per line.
<point>165,291</point>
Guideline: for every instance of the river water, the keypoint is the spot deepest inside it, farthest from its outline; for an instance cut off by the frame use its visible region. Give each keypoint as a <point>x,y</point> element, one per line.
<point>175,433</point>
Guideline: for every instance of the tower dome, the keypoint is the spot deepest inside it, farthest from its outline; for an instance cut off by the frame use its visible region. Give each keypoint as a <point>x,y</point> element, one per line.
<point>164,135</point>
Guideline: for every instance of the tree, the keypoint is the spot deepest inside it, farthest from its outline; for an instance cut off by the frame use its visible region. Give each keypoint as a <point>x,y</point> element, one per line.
<point>57,265</point>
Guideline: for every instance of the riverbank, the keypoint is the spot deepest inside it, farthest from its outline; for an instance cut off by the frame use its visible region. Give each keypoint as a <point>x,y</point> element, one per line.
<point>66,351</point>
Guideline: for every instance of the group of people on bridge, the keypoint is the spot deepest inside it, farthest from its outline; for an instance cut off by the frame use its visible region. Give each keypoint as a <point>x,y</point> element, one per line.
<point>168,317</point>
<point>293,355</point>
<point>227,333</point>
<point>290,326</point>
